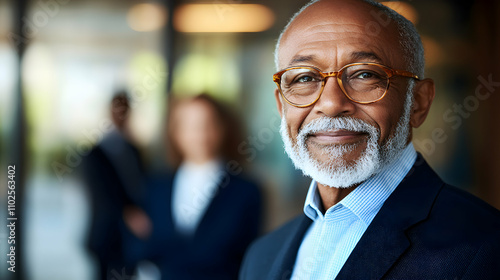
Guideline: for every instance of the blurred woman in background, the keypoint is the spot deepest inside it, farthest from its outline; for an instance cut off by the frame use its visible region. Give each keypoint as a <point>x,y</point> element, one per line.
<point>206,213</point>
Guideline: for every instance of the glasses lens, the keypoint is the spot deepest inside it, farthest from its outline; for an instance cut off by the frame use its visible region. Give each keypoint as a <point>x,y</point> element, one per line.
<point>301,86</point>
<point>365,83</point>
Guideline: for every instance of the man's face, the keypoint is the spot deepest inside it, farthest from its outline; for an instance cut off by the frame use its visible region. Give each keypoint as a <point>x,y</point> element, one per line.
<point>340,134</point>
<point>120,111</point>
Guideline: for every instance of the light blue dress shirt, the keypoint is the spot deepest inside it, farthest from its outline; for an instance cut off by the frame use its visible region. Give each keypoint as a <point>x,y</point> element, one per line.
<point>332,237</point>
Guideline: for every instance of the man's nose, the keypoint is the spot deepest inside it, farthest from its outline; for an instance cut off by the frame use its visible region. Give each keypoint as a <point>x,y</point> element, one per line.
<point>333,102</point>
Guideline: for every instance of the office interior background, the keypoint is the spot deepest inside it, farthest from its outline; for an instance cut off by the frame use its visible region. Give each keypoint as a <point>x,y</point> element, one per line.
<point>62,60</point>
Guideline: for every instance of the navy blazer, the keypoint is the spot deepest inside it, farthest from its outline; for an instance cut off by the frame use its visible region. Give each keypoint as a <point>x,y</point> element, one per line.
<point>215,251</point>
<point>425,230</point>
<point>108,197</point>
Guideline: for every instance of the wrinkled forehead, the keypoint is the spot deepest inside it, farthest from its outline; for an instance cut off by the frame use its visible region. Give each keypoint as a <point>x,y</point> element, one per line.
<point>340,27</point>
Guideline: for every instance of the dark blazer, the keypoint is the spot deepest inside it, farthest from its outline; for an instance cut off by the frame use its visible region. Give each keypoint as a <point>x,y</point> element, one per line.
<point>215,251</point>
<point>425,230</point>
<point>108,198</point>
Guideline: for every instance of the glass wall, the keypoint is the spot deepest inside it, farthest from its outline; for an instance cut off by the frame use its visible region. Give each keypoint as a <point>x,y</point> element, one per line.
<point>79,53</point>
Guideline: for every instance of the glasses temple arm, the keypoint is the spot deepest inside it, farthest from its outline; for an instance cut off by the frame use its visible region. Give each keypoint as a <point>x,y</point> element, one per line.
<point>406,74</point>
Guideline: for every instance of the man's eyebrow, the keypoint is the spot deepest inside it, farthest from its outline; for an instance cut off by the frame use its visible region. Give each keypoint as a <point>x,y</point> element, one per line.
<point>301,58</point>
<point>357,56</point>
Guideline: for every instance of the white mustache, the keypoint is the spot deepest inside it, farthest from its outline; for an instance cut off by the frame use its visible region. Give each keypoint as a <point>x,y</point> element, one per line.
<point>325,124</point>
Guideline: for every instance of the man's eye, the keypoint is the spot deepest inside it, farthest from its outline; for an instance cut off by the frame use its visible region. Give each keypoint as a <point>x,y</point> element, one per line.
<point>365,75</point>
<point>304,79</point>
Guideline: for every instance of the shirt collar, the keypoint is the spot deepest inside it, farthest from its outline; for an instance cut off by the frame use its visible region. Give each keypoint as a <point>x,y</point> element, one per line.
<point>366,200</point>
<point>313,206</point>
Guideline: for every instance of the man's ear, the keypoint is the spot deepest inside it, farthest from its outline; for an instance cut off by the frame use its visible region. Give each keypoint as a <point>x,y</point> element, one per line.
<point>279,102</point>
<point>423,93</point>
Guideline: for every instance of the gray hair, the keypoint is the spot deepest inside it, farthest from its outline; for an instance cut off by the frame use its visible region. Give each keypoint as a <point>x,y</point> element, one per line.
<point>409,39</point>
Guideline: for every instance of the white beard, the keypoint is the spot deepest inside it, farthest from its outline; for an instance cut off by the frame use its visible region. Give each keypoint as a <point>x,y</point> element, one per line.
<point>337,172</point>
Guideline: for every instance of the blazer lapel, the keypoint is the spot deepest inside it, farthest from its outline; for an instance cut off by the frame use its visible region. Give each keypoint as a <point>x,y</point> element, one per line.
<point>211,213</point>
<point>385,240</point>
<point>169,204</point>
<point>285,259</point>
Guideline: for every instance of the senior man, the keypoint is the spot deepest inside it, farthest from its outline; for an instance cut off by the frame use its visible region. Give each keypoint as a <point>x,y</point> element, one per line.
<point>350,90</point>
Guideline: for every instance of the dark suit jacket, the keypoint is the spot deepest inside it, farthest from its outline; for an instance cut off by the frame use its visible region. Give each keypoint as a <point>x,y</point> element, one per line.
<point>425,230</point>
<point>108,198</point>
<point>215,251</point>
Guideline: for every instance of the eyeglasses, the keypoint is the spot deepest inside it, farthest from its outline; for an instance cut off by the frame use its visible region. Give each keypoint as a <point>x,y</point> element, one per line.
<point>362,83</point>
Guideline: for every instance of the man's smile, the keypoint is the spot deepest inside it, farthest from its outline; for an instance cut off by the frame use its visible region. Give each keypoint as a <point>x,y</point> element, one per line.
<point>337,136</point>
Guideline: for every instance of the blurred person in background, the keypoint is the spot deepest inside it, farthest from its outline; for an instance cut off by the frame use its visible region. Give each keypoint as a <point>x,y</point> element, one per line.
<point>349,98</point>
<point>204,214</point>
<point>114,175</point>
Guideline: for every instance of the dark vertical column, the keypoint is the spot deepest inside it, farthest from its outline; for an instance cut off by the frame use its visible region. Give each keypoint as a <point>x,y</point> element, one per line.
<point>169,42</point>
<point>17,154</point>
<point>486,16</point>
